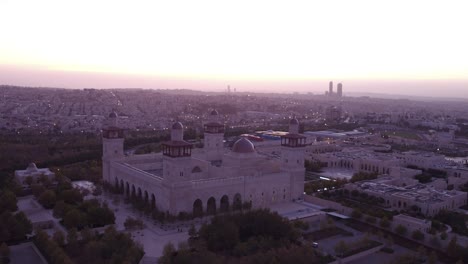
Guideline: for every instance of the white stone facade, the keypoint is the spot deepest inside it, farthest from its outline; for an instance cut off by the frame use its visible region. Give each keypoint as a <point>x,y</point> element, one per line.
<point>33,172</point>
<point>182,179</point>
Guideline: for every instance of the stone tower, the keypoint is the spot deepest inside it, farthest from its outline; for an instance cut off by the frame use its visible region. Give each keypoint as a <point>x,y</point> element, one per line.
<point>292,158</point>
<point>112,144</point>
<point>213,137</point>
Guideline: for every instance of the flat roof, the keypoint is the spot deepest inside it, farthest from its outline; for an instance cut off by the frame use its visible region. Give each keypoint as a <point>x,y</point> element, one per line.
<point>338,215</point>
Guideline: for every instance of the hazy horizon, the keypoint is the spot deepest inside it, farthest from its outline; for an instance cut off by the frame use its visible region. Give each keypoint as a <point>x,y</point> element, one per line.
<point>414,48</point>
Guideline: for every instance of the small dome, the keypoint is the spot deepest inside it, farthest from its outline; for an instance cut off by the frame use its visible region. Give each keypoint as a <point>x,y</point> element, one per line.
<point>243,145</point>
<point>214,112</point>
<point>113,115</point>
<point>293,121</point>
<point>31,167</point>
<point>177,125</point>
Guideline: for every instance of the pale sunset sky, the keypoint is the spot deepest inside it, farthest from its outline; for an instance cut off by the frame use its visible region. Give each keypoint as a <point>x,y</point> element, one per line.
<point>405,47</point>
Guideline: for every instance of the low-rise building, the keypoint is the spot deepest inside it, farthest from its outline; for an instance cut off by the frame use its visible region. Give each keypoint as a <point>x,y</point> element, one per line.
<point>400,196</point>
<point>34,173</point>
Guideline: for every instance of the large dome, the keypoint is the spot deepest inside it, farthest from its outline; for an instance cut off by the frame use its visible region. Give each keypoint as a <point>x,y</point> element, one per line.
<point>243,145</point>
<point>214,112</point>
<point>177,125</point>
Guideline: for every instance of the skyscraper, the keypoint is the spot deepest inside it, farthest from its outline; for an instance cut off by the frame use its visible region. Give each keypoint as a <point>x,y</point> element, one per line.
<point>339,90</point>
<point>330,88</point>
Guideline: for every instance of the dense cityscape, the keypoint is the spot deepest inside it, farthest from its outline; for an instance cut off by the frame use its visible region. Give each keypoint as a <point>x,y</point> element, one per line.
<point>374,177</point>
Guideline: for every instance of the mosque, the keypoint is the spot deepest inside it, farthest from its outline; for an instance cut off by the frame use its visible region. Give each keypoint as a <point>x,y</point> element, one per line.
<point>209,179</point>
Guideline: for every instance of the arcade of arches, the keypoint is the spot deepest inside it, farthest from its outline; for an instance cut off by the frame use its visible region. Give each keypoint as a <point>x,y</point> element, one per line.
<point>210,207</point>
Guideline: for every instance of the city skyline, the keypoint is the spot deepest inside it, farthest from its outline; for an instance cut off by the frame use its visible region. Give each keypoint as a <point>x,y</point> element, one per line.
<point>404,48</point>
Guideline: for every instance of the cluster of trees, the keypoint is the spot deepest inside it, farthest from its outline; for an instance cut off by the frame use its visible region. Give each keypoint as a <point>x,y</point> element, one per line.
<point>343,249</point>
<point>427,174</point>
<point>363,176</point>
<point>232,233</point>
<point>457,251</point>
<point>4,253</point>
<point>257,236</point>
<point>360,201</point>
<point>8,201</point>
<point>90,213</point>
<point>111,247</point>
<point>51,249</point>
<point>89,170</point>
<point>67,203</point>
<point>89,247</point>
<point>18,150</point>
<point>454,219</point>
<point>13,226</point>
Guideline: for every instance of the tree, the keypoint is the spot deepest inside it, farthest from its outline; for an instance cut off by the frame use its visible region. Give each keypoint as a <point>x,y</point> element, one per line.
<point>167,253</point>
<point>400,230</point>
<point>192,231</point>
<point>384,223</point>
<point>443,236</point>
<point>29,180</point>
<point>72,196</point>
<point>453,249</point>
<point>59,238</point>
<point>5,253</point>
<point>22,227</point>
<point>74,218</point>
<point>37,189</point>
<point>417,235</point>
<point>47,199</point>
<point>432,258</point>
<point>72,241</point>
<point>8,201</point>
<point>341,248</point>
<point>422,253</point>
<point>87,235</point>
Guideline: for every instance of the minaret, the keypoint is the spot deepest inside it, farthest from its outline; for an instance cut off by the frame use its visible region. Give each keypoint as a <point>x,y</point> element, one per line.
<point>213,137</point>
<point>112,144</point>
<point>292,159</point>
<point>177,153</point>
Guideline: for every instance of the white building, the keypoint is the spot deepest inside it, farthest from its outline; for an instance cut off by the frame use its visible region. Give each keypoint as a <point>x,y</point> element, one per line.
<point>33,172</point>
<point>183,179</point>
<point>399,195</point>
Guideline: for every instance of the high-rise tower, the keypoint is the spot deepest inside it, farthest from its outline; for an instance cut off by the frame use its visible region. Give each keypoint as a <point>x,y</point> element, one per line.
<point>330,88</point>
<point>292,158</point>
<point>177,153</point>
<point>213,137</point>
<point>339,90</point>
<point>112,144</point>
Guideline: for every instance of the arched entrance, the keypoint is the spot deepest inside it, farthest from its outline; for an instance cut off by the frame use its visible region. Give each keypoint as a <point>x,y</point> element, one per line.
<point>224,204</point>
<point>140,196</point>
<point>198,208</point>
<point>116,185</point>
<point>127,190</point>
<point>122,190</point>
<point>237,203</point>
<point>146,198</point>
<point>211,206</point>
<point>153,201</point>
